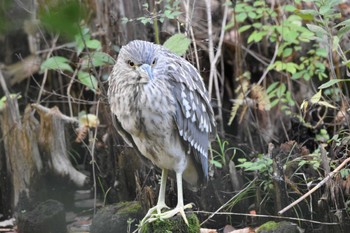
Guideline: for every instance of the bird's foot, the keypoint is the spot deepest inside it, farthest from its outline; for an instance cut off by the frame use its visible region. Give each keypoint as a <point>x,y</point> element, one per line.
<point>150,213</point>
<point>171,213</point>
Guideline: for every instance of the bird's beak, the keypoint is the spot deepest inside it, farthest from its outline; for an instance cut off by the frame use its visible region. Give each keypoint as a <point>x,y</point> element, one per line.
<point>147,69</point>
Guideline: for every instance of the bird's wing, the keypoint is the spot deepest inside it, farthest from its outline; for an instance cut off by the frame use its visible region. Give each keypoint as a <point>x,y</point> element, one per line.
<point>129,140</point>
<point>194,115</point>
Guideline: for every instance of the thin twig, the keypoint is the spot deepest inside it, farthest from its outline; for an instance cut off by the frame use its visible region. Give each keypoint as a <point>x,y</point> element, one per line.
<point>215,57</point>
<point>46,70</point>
<point>266,216</point>
<point>267,68</point>
<point>329,176</point>
<point>68,92</point>
<point>189,28</point>
<point>93,161</point>
<point>66,45</point>
<point>258,57</point>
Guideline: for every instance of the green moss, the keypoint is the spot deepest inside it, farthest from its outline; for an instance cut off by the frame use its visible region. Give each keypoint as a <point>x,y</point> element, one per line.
<point>283,226</point>
<point>174,225</point>
<point>129,207</point>
<point>268,226</point>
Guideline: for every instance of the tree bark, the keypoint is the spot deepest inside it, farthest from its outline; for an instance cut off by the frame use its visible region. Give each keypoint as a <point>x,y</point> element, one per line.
<point>21,153</point>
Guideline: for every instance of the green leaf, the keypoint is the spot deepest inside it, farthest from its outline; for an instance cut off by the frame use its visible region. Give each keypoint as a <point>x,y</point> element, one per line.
<point>307,14</point>
<point>299,74</point>
<point>316,29</point>
<point>343,31</point>
<point>241,17</point>
<point>177,44</point>
<point>244,28</point>
<point>256,36</point>
<point>63,17</point>
<point>281,90</point>
<point>216,163</point>
<point>289,8</point>
<point>291,67</point>
<point>274,102</point>
<point>93,44</point>
<point>322,52</point>
<point>332,82</point>
<point>326,104</point>
<point>316,98</point>
<point>272,87</point>
<point>343,23</point>
<point>325,10</point>
<point>287,52</point>
<point>306,36</point>
<point>88,80</point>
<point>252,14</point>
<point>97,59</point>
<point>56,63</point>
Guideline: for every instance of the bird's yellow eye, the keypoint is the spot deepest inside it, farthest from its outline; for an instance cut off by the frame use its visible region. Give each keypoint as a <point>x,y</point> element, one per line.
<point>131,63</point>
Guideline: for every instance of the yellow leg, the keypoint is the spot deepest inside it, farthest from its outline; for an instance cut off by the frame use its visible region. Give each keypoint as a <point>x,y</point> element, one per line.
<point>180,207</point>
<point>161,198</point>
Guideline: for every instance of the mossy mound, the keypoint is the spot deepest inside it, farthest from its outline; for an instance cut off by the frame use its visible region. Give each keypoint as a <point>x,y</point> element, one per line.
<point>174,224</point>
<point>279,227</point>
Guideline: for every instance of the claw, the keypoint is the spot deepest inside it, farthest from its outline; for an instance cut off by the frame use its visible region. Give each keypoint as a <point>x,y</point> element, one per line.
<point>180,208</point>
<point>151,211</point>
<point>170,213</point>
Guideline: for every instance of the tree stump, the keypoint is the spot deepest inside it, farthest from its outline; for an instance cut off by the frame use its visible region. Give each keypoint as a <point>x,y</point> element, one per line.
<point>27,148</point>
<point>52,142</point>
<point>21,159</point>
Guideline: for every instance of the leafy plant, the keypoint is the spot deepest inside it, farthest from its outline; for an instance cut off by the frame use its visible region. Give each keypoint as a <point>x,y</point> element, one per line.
<point>278,94</point>
<point>262,164</point>
<point>178,44</point>
<point>92,59</point>
<point>171,11</point>
<point>219,159</point>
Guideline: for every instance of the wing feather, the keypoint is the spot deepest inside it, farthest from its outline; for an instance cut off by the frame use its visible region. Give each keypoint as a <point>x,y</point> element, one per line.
<point>194,115</point>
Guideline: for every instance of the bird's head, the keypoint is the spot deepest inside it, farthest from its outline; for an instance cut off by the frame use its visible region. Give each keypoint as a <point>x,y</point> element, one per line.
<point>138,60</point>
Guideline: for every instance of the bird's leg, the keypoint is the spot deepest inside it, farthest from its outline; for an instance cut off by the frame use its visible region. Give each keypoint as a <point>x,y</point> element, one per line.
<point>180,207</point>
<point>161,198</point>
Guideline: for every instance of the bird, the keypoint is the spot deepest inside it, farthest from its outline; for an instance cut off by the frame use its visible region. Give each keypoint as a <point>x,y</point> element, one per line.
<point>163,109</point>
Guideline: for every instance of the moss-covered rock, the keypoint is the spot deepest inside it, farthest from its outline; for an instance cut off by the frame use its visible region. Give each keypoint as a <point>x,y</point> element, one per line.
<point>115,218</point>
<point>175,225</point>
<point>48,216</point>
<point>279,227</point>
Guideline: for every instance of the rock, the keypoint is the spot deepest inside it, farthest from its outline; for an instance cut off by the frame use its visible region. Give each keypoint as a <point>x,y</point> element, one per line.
<point>174,224</point>
<point>117,218</point>
<point>48,216</point>
<point>279,227</point>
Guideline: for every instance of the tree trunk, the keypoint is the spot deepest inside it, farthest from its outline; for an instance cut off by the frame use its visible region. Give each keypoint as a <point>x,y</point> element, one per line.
<point>21,154</point>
